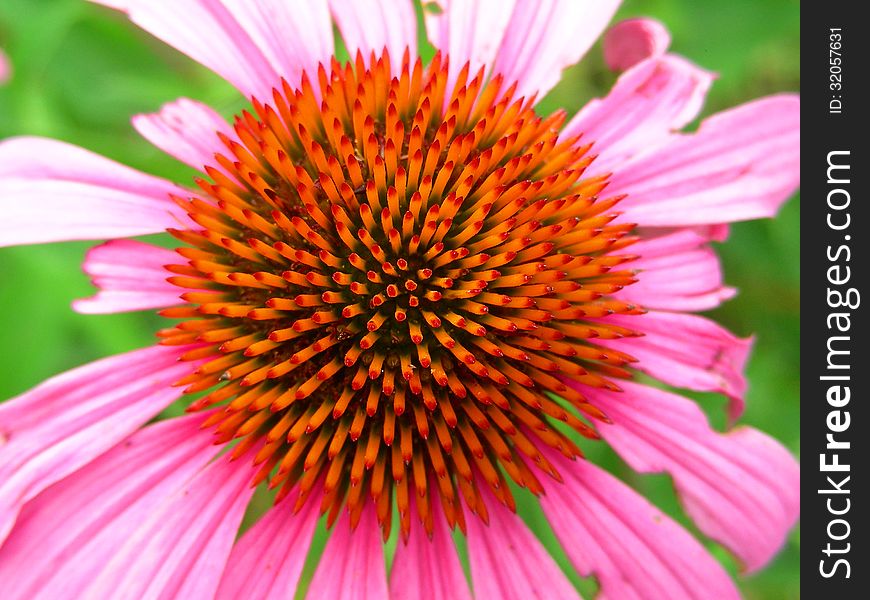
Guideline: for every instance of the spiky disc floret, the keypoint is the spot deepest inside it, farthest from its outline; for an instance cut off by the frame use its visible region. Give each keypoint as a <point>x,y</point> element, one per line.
<point>389,281</point>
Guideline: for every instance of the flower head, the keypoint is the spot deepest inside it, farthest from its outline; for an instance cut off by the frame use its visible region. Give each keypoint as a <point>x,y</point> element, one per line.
<point>412,261</point>
<point>398,288</point>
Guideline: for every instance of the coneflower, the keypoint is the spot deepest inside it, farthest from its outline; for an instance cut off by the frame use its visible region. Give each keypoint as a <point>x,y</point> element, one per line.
<point>400,295</point>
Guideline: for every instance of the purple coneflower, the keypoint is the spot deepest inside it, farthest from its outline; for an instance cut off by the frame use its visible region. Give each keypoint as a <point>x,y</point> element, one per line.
<point>399,295</point>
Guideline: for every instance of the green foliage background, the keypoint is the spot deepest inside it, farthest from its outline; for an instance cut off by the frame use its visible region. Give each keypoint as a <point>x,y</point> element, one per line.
<point>81,71</point>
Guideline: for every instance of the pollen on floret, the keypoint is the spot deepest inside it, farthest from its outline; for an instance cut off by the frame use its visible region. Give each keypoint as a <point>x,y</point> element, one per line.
<point>388,279</point>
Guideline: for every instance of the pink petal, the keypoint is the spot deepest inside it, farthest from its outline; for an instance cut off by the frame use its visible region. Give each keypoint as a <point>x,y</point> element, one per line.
<point>717,232</point>
<point>293,36</point>
<point>68,531</point>
<point>508,561</point>
<point>741,488</point>
<point>41,179</point>
<point>646,105</point>
<point>187,130</point>
<point>266,562</point>
<point>250,43</point>
<point>42,158</point>
<point>687,351</point>
<point>352,565</point>
<point>5,68</point>
<point>532,47</point>
<point>130,276</point>
<point>467,31</point>
<point>69,420</point>
<point>741,164</point>
<point>633,40</point>
<point>180,548</point>
<point>425,567</point>
<point>634,550</point>
<point>370,25</point>
<point>543,38</point>
<point>676,271</point>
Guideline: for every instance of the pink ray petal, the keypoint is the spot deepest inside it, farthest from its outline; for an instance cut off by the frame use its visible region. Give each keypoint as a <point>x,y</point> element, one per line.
<point>741,164</point>
<point>543,38</point>
<point>293,36</point>
<point>187,130</point>
<point>42,158</point>
<point>508,561</point>
<point>352,566</point>
<point>425,567</point>
<point>129,276</point>
<point>266,562</point>
<point>687,351</point>
<point>646,105</point>
<point>633,40</point>
<point>741,488</point>
<point>467,31</point>
<point>677,271</point>
<point>371,25</point>
<point>250,43</point>
<point>69,420</point>
<point>635,551</point>
<point>69,530</point>
<point>41,179</point>
<point>717,232</point>
<point>5,68</point>
<point>180,549</point>
<point>532,46</point>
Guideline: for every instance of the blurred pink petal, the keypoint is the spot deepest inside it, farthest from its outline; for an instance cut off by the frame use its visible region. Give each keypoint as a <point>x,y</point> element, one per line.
<point>129,275</point>
<point>187,130</point>
<point>507,560</point>
<point>741,164</point>
<point>532,47</point>
<point>428,567</point>
<point>634,550</point>
<point>266,562</point>
<point>352,565</point>
<point>741,488</point>
<point>633,40</point>
<point>5,68</point>
<point>717,232</point>
<point>251,44</point>
<point>646,105</point>
<point>68,532</point>
<point>370,25</point>
<point>71,419</point>
<point>687,351</point>
<point>677,271</point>
<point>40,179</point>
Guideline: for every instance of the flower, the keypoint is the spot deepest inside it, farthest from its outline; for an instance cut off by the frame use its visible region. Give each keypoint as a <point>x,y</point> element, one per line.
<point>394,280</point>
